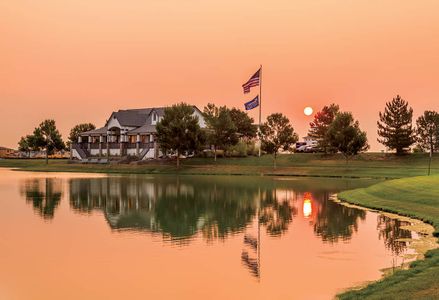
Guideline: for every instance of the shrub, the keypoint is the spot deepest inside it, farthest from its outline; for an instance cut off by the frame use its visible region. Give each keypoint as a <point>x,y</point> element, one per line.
<point>238,150</point>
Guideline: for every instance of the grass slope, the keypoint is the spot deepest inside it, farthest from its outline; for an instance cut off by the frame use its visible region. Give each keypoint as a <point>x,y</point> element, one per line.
<point>417,197</point>
<point>370,165</point>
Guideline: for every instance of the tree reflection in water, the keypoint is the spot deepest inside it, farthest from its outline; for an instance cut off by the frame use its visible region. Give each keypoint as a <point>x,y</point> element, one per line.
<point>391,232</point>
<point>336,222</point>
<point>44,194</point>
<point>276,211</point>
<point>173,207</point>
<point>180,209</point>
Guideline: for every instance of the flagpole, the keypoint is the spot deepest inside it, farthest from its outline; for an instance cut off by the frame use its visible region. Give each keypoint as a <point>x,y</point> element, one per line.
<point>260,107</point>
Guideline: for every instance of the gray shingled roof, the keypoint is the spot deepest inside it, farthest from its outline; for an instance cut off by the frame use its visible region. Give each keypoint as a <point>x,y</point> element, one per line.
<point>95,132</point>
<point>140,118</point>
<point>160,111</point>
<point>147,128</point>
<point>136,117</point>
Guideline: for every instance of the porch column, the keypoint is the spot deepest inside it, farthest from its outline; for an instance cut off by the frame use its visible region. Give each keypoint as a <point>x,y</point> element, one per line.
<point>108,146</point>
<point>79,139</point>
<point>121,140</point>
<point>101,140</point>
<point>138,145</point>
<point>89,143</point>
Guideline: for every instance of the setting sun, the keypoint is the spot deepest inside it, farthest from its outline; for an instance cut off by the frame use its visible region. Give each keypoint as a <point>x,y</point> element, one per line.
<point>308,111</point>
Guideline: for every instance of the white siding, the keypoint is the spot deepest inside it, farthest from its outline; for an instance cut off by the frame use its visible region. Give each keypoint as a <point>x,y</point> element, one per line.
<point>201,121</point>
<point>113,123</point>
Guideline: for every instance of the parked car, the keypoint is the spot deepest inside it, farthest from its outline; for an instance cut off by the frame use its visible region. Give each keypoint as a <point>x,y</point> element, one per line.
<point>301,148</point>
<point>311,149</point>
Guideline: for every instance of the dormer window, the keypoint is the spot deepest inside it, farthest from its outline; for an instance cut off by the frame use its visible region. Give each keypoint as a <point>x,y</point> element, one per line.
<point>154,117</point>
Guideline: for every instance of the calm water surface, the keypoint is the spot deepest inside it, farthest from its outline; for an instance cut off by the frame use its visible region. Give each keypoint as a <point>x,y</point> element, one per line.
<point>82,236</point>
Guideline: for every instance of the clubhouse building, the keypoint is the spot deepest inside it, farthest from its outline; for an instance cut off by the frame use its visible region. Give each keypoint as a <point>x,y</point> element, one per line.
<point>130,132</point>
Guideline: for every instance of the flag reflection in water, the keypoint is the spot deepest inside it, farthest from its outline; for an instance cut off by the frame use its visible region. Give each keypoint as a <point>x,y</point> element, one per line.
<point>307,205</point>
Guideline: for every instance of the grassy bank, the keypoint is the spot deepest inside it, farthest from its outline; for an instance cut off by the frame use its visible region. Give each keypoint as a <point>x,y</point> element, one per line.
<point>416,197</point>
<point>370,165</point>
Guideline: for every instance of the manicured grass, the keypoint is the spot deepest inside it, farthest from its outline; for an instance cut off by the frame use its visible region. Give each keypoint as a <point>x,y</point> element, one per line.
<point>416,197</point>
<point>368,165</point>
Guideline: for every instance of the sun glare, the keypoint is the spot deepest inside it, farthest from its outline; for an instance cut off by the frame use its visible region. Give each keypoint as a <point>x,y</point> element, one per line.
<point>308,111</point>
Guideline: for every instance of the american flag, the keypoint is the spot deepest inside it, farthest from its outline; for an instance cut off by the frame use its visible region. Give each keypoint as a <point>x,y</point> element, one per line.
<point>253,81</point>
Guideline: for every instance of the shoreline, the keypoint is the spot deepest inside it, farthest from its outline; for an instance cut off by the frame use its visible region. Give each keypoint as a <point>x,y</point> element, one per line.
<point>426,242</point>
<point>367,166</point>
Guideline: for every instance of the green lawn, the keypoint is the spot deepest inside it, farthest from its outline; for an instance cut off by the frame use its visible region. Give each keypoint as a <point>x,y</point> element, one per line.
<point>417,197</point>
<point>369,165</point>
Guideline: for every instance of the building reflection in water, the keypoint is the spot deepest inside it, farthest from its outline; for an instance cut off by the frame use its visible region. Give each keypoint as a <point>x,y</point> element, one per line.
<point>181,209</point>
<point>44,194</point>
<point>173,207</point>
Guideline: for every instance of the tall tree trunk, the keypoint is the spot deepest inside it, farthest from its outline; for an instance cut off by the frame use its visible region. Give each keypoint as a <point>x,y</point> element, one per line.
<point>274,161</point>
<point>429,161</point>
<point>214,152</point>
<point>47,156</point>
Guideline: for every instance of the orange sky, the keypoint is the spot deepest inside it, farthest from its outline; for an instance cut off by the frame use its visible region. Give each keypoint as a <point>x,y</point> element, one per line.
<point>78,60</point>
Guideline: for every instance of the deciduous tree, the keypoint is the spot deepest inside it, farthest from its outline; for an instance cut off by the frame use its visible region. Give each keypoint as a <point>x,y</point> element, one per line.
<point>395,126</point>
<point>179,130</point>
<point>244,124</point>
<point>320,124</point>
<point>221,130</point>
<point>26,144</point>
<point>78,129</point>
<point>427,128</point>
<point>277,133</point>
<point>47,137</point>
<point>345,135</point>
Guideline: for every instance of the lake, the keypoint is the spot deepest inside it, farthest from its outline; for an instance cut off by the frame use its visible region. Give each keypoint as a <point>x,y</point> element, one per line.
<point>85,236</point>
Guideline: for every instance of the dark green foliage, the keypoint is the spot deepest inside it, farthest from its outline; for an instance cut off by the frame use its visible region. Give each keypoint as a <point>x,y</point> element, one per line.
<point>44,195</point>
<point>46,137</point>
<point>27,144</point>
<point>179,130</point>
<point>395,126</point>
<point>320,125</point>
<point>78,129</point>
<point>427,128</point>
<point>221,130</point>
<point>277,133</point>
<point>244,124</point>
<point>345,135</point>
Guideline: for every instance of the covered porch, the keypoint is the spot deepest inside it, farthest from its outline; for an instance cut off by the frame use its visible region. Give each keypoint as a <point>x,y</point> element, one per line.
<point>116,142</point>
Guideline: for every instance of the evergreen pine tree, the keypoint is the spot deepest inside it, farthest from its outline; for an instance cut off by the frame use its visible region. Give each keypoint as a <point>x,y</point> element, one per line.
<point>395,126</point>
